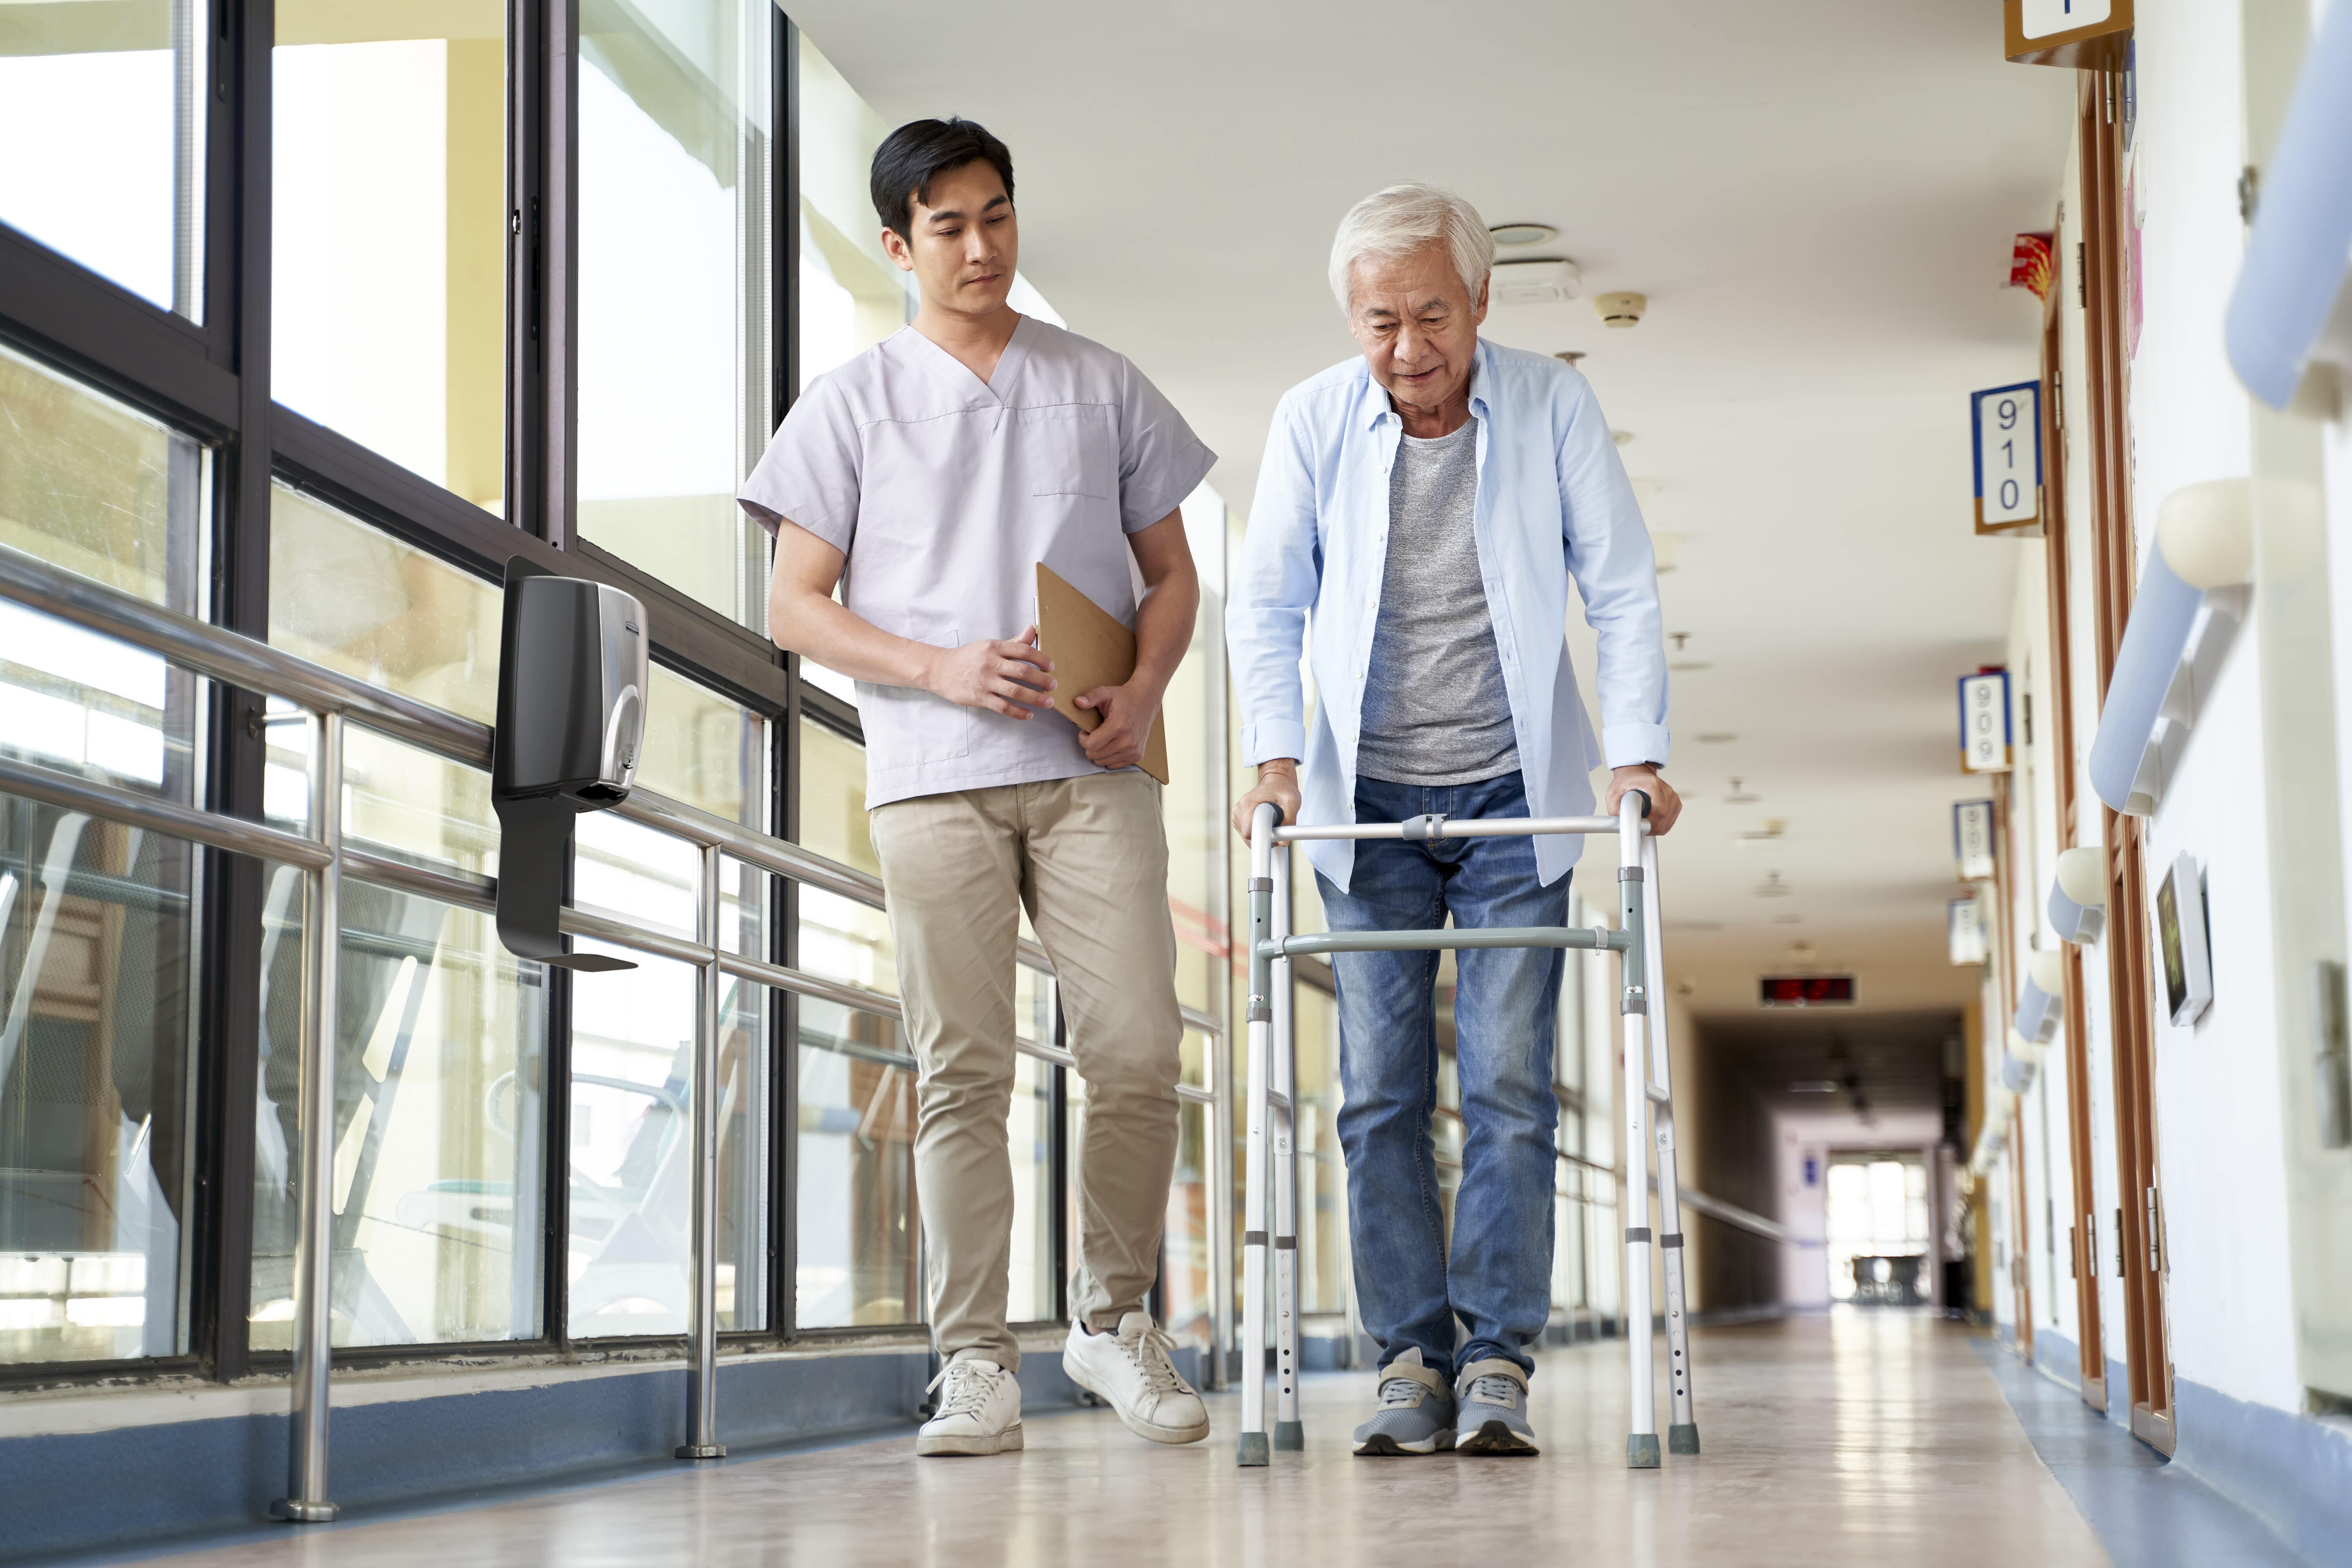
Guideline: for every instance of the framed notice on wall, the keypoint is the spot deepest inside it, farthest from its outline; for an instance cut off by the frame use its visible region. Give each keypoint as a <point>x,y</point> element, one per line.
<point>2005,433</point>
<point>1964,931</point>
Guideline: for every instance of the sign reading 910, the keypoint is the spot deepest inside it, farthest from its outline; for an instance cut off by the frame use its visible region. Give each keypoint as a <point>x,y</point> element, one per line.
<point>2008,443</point>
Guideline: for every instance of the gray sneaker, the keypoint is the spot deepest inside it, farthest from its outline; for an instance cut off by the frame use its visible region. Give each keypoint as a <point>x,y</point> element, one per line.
<point>1493,1419</point>
<point>1416,1413</point>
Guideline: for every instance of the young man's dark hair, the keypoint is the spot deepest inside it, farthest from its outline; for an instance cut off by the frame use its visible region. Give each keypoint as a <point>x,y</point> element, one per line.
<point>920,150</point>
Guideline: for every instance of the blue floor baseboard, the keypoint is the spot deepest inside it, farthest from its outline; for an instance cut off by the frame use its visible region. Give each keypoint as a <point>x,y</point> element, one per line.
<point>2147,1512</point>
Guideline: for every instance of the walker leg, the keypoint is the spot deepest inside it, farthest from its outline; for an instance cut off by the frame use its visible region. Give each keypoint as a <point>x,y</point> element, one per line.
<point>1252,1449</point>
<point>1642,1438</point>
<point>1282,1066</point>
<point>1682,1431</point>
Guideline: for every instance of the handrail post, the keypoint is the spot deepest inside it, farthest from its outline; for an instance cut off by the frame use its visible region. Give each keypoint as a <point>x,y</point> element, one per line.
<point>702,1289</point>
<point>314,1242</point>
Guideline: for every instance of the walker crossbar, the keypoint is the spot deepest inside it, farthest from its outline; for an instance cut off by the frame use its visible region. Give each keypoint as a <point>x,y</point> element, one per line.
<point>1420,941</point>
<point>1270,1149</point>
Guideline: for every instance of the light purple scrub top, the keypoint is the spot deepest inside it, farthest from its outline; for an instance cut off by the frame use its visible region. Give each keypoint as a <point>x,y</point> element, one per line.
<point>945,494</point>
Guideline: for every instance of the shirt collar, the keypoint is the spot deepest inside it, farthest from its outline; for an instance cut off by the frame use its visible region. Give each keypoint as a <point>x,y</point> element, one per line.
<point>1373,400</point>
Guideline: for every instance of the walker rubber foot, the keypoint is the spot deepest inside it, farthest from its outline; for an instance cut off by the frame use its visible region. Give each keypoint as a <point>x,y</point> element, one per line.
<point>701,1451</point>
<point>292,1510</point>
<point>1642,1451</point>
<point>1251,1453</point>
<point>1290,1437</point>
<point>1682,1438</point>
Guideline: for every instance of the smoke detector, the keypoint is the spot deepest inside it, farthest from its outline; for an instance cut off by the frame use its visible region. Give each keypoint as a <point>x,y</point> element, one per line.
<point>1536,283</point>
<point>1619,310</point>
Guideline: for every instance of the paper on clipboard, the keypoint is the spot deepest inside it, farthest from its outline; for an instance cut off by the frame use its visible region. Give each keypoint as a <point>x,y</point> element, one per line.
<point>1090,648</point>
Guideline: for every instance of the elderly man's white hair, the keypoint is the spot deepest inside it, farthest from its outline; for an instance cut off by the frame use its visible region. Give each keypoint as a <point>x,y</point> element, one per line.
<point>1402,220</point>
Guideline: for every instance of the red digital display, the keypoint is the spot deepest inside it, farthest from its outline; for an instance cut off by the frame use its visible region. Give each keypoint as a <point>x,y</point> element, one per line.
<point>1808,991</point>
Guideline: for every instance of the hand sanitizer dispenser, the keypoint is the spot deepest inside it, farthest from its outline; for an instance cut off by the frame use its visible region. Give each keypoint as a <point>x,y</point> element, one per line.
<point>571,716</point>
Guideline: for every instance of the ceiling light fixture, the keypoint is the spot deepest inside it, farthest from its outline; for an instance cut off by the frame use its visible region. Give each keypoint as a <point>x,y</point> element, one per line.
<point>1523,233</point>
<point>1622,437</point>
<point>1771,886</point>
<point>1717,738</point>
<point>1573,357</point>
<point>1814,1086</point>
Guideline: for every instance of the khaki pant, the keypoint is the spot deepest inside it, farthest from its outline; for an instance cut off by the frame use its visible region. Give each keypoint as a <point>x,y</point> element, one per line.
<point>1088,859</point>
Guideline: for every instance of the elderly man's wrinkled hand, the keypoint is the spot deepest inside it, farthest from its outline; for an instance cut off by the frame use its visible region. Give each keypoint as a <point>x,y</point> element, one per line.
<point>1664,804</point>
<point>1277,786</point>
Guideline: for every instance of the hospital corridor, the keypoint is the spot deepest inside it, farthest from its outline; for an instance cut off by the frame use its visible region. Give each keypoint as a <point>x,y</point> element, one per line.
<point>852,782</point>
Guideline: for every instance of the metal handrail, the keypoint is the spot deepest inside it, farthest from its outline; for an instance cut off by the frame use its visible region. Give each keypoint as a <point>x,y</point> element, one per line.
<point>336,699</point>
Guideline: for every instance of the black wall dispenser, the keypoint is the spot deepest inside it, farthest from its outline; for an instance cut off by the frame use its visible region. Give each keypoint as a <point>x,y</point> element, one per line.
<point>571,717</point>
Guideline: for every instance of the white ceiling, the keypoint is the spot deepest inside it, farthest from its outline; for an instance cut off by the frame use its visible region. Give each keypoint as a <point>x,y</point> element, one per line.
<point>1817,199</point>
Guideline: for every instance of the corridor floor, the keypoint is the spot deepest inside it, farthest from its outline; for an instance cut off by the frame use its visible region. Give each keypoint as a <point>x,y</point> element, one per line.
<point>1852,1438</point>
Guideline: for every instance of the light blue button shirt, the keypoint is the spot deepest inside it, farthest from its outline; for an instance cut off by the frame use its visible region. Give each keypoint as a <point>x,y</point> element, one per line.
<point>1553,503</point>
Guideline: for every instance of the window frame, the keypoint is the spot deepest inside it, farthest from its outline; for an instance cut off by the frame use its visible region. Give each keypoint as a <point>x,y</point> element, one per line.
<point>212,380</point>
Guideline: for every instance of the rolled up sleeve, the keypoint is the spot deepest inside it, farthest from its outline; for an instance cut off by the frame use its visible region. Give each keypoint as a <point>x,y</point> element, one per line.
<point>1274,589</point>
<point>1616,572</point>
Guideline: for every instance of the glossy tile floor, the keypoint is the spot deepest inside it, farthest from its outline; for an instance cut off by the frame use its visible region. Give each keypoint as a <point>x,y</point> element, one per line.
<point>1861,1436</point>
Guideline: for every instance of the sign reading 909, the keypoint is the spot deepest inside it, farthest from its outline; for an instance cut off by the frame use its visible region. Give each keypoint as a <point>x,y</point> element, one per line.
<point>1984,721</point>
<point>2006,433</point>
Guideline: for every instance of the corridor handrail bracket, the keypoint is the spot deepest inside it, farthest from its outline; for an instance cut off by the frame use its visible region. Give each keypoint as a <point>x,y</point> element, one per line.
<point>1270,1147</point>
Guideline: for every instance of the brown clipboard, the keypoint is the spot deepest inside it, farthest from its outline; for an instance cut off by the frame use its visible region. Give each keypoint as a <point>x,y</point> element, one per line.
<point>1090,648</point>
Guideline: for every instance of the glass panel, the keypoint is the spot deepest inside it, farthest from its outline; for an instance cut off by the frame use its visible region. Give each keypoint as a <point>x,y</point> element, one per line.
<point>1184,1259</point>
<point>80,702</point>
<point>356,599</point>
<point>440,1059</point>
<point>833,798</point>
<point>859,1260</point>
<point>102,107</point>
<point>705,749</point>
<point>1322,1178</point>
<point>89,484</point>
<point>1029,1138</point>
<point>97,992</point>
<point>408,802</point>
<point>1194,804</point>
<point>634,873</point>
<point>676,389</point>
<point>852,296</point>
<point>389,277</point>
<point>632,1146</point>
<point>745,1154</point>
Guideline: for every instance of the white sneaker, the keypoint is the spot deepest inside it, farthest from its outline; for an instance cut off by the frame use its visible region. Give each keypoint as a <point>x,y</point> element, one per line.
<point>1130,1370</point>
<point>979,1411</point>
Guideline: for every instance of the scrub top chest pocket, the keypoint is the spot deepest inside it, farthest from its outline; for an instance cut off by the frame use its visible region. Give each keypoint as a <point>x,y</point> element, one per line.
<point>1070,450</point>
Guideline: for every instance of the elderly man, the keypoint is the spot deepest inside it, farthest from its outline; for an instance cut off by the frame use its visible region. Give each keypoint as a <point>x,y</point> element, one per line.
<point>1428,505</point>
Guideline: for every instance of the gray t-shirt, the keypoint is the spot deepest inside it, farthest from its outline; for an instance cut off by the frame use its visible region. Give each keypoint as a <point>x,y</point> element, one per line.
<point>1436,710</point>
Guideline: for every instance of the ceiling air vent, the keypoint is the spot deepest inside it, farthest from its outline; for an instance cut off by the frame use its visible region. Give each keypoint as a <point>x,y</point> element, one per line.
<point>1536,283</point>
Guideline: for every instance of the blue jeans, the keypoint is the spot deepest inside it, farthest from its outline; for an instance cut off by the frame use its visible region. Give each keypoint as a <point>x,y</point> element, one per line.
<point>1497,1278</point>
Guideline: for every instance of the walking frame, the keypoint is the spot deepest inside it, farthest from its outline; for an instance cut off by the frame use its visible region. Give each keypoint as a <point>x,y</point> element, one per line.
<point>1272,1114</point>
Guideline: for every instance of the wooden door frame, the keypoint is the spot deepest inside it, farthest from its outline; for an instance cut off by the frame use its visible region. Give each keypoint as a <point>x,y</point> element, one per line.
<point>2082,1232</point>
<point>2020,1250</point>
<point>2115,562</point>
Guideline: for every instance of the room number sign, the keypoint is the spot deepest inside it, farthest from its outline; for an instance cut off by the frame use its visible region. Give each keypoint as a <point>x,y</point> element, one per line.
<point>2007,437</point>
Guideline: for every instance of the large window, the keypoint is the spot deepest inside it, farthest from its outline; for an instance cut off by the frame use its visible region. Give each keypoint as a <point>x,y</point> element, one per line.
<point>421,361</point>
<point>675,383</point>
<point>101,110</point>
